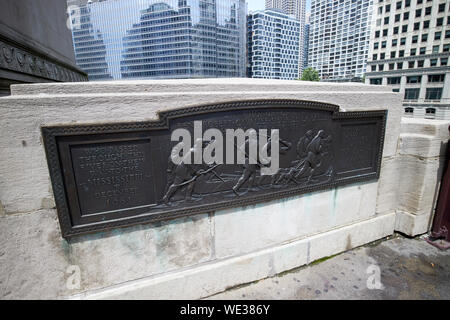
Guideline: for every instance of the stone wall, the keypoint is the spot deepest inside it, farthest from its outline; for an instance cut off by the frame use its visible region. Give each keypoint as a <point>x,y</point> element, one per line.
<point>35,43</point>
<point>40,23</point>
<point>196,256</point>
<point>421,161</point>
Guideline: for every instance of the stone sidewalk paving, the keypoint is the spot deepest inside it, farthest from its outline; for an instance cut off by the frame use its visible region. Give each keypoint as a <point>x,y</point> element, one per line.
<point>394,268</point>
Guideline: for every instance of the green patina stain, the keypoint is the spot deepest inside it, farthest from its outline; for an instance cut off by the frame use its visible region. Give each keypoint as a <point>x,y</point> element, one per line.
<point>283,273</point>
<point>66,247</point>
<point>67,250</point>
<point>315,262</point>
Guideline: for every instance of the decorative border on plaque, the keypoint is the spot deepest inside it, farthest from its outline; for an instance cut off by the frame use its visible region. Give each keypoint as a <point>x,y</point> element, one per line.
<point>50,135</point>
<point>17,58</point>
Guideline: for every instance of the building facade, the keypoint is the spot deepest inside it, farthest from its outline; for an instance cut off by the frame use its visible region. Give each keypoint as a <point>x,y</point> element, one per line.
<point>339,38</point>
<point>273,45</point>
<point>297,8</point>
<point>160,39</point>
<point>306,43</point>
<point>410,49</point>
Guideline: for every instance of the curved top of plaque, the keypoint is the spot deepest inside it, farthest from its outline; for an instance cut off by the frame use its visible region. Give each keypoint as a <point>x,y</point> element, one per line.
<point>163,120</point>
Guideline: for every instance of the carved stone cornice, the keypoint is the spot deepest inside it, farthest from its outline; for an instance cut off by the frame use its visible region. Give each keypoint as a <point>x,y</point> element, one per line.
<point>14,57</point>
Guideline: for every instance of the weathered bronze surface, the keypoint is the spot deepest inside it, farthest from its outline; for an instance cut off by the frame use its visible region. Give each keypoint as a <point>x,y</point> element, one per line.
<point>112,175</point>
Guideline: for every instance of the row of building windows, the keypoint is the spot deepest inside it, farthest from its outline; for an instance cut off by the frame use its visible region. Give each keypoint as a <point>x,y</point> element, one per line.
<point>187,41</point>
<point>427,10</point>
<point>412,52</point>
<point>339,38</point>
<point>430,93</point>
<point>416,26</point>
<point>428,111</point>
<point>412,94</point>
<point>407,4</point>
<point>414,39</point>
<point>411,64</point>
<point>432,78</point>
<point>418,13</point>
<point>175,72</point>
<point>270,20</point>
<point>343,5</point>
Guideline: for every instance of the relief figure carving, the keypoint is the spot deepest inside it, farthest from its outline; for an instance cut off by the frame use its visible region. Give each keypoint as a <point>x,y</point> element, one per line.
<point>310,152</point>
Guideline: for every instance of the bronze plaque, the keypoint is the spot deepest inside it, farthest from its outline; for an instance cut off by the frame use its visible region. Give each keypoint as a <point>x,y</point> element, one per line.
<point>112,175</point>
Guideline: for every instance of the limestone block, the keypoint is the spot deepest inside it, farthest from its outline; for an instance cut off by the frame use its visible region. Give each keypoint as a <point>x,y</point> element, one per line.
<point>388,186</point>
<point>346,238</point>
<point>419,183</point>
<point>191,85</point>
<point>25,181</point>
<point>209,278</point>
<point>35,259</point>
<point>422,149</point>
<point>216,276</point>
<point>420,145</point>
<point>267,224</point>
<point>429,127</point>
<point>289,256</point>
<point>411,224</point>
<point>392,133</point>
<point>27,238</point>
<point>126,254</point>
<point>424,137</point>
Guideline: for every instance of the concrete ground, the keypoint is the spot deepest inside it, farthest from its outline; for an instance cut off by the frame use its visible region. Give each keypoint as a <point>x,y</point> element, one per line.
<point>394,268</point>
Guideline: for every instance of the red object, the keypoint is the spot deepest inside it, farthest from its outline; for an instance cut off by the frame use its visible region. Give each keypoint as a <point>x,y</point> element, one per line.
<point>441,223</point>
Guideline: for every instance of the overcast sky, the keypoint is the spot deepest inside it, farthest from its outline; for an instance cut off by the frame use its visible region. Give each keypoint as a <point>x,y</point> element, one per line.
<point>259,5</point>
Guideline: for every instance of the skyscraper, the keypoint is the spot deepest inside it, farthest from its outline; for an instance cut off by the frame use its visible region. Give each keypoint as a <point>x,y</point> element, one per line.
<point>273,45</point>
<point>410,50</point>
<point>296,8</point>
<point>339,38</point>
<point>161,39</point>
<point>306,42</point>
<point>274,4</point>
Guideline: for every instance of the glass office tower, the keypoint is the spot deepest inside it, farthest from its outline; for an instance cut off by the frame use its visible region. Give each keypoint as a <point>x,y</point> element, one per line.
<point>306,44</point>
<point>159,39</point>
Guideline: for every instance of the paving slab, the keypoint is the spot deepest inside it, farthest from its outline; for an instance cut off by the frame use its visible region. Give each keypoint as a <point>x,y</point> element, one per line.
<point>394,268</point>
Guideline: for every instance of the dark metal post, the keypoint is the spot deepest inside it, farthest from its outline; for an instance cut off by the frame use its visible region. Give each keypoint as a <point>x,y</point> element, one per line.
<point>441,223</point>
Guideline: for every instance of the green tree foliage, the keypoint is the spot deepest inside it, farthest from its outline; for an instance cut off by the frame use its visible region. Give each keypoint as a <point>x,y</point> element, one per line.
<point>310,74</point>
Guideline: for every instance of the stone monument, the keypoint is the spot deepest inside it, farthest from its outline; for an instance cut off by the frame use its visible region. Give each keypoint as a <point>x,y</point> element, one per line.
<point>90,207</point>
<point>35,44</point>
